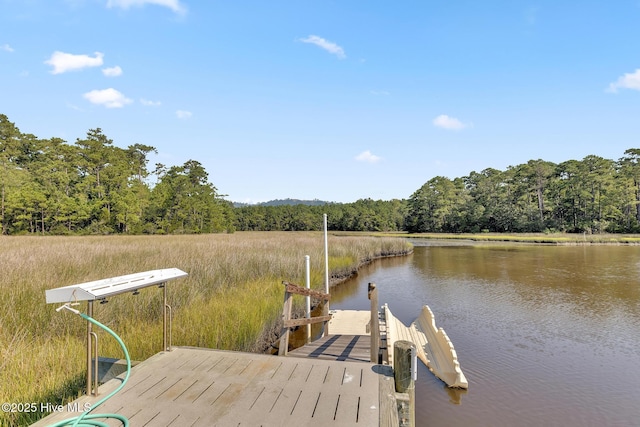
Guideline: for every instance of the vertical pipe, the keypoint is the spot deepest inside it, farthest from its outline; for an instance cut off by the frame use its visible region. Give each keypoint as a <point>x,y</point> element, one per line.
<point>164,316</point>
<point>89,332</point>
<point>308,298</point>
<point>326,258</point>
<point>325,311</point>
<point>95,363</point>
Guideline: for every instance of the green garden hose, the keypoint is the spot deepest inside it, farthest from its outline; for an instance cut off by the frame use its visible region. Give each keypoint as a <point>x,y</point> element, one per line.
<point>87,419</point>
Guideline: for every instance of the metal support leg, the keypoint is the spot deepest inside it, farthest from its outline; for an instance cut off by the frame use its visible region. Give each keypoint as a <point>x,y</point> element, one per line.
<point>95,363</point>
<point>166,320</point>
<point>167,308</point>
<point>89,337</point>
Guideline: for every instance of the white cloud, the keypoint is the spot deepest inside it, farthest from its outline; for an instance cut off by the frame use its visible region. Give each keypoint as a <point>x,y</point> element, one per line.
<point>74,107</point>
<point>627,81</point>
<point>326,45</point>
<point>6,48</point>
<point>451,123</point>
<point>112,72</point>
<point>174,5</point>
<point>368,157</point>
<point>531,15</point>
<point>148,103</point>
<point>63,62</point>
<point>110,98</point>
<point>182,114</point>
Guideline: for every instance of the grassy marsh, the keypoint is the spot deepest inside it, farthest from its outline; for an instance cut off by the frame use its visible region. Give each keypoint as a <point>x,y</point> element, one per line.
<point>232,295</point>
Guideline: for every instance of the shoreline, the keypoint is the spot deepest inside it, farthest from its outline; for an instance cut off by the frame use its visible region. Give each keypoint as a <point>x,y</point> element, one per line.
<point>531,238</point>
<point>271,333</point>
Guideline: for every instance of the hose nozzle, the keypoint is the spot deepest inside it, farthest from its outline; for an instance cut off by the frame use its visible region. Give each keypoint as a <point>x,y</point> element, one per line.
<point>67,306</point>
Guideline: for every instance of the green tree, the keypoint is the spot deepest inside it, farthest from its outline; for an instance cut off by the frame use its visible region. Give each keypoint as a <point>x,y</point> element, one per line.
<point>185,202</point>
<point>629,174</point>
<point>433,207</point>
<point>10,137</point>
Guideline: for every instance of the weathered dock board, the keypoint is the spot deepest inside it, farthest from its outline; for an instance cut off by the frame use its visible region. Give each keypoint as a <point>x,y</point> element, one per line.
<point>203,387</point>
<point>350,348</point>
<point>350,322</point>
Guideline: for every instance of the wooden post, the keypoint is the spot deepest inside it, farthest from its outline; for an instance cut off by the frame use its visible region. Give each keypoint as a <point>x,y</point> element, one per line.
<point>404,354</point>
<point>283,348</point>
<point>291,289</point>
<point>375,324</point>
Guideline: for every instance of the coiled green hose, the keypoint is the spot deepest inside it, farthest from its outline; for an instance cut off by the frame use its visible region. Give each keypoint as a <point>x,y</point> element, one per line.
<point>91,420</point>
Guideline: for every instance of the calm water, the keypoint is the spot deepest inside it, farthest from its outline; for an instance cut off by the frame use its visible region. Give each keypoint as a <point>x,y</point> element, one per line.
<point>546,336</point>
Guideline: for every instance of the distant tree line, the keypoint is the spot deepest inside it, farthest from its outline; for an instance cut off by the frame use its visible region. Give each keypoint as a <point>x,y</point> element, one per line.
<point>363,215</point>
<point>48,186</point>
<point>593,195</point>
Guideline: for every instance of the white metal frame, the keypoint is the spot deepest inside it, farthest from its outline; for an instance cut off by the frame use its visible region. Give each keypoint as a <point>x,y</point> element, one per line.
<point>105,288</point>
<point>101,289</point>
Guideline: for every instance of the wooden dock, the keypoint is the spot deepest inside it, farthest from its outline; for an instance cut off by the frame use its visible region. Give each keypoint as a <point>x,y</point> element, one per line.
<point>202,387</point>
<point>329,382</point>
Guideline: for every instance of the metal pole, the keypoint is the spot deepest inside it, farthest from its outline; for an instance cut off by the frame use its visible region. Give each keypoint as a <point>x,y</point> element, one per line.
<point>308,298</point>
<point>326,259</point>
<point>325,330</point>
<point>89,337</point>
<point>164,316</point>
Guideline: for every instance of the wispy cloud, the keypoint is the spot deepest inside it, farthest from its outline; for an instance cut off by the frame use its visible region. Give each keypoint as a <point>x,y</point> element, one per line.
<point>174,5</point>
<point>63,62</point>
<point>148,103</point>
<point>450,123</point>
<point>182,114</point>
<point>74,107</point>
<point>326,45</point>
<point>6,47</point>
<point>110,98</point>
<point>112,72</point>
<point>368,157</point>
<point>531,15</point>
<point>627,81</point>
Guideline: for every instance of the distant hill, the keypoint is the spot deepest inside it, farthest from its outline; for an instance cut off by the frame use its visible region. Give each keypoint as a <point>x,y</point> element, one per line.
<point>280,202</point>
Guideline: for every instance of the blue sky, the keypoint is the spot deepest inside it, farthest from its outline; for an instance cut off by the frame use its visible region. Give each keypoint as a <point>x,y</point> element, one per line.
<point>334,100</point>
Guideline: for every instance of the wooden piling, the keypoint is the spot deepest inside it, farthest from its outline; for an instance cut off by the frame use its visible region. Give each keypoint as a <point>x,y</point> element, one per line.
<point>404,353</point>
<point>375,324</point>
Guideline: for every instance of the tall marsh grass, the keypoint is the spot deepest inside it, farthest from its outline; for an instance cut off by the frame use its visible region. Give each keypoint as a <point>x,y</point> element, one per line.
<point>232,295</point>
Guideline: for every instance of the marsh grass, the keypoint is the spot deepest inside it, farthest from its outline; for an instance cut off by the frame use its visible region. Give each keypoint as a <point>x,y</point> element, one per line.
<point>233,292</point>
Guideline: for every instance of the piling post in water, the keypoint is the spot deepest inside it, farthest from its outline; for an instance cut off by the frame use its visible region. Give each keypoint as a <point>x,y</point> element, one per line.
<point>405,373</point>
<point>374,323</point>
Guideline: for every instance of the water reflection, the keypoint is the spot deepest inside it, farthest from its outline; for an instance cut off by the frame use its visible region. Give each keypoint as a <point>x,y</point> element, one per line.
<point>545,334</point>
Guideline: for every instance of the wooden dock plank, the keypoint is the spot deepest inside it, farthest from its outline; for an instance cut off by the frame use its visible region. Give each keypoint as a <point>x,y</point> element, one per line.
<point>201,387</point>
<point>352,348</point>
<point>350,322</point>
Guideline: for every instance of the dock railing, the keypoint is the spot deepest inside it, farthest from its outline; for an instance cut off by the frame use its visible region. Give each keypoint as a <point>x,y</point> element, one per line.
<point>288,323</point>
